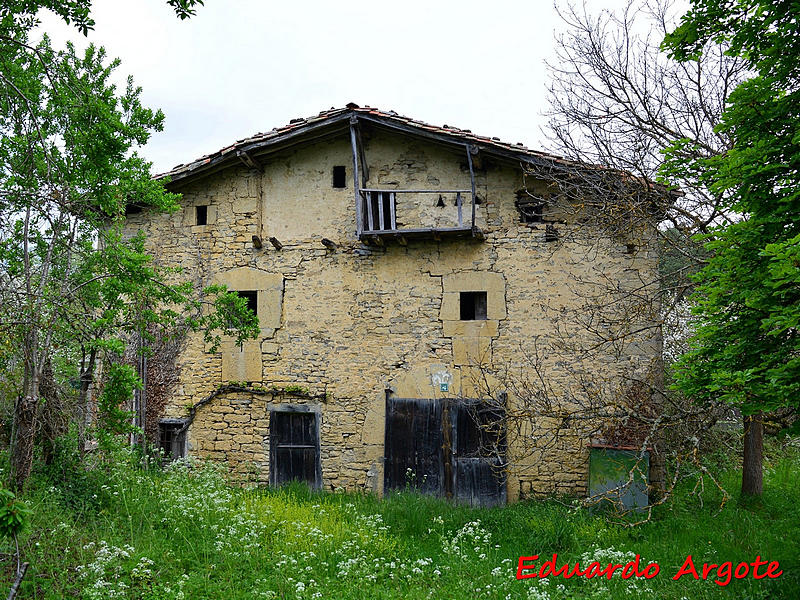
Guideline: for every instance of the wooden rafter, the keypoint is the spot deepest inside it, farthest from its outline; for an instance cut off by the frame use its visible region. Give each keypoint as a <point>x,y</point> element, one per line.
<point>248,161</point>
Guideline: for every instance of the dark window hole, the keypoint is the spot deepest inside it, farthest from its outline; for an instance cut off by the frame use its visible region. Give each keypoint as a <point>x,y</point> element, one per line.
<point>201,212</point>
<point>339,176</point>
<point>473,306</point>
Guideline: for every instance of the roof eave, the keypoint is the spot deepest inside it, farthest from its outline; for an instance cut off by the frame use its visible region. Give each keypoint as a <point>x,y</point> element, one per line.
<point>228,156</point>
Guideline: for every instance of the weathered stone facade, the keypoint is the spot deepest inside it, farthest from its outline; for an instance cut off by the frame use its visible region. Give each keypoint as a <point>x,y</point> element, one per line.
<point>343,327</point>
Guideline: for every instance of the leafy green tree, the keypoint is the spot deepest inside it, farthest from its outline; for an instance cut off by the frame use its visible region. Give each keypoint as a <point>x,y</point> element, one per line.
<point>20,15</point>
<point>68,169</point>
<point>747,344</point>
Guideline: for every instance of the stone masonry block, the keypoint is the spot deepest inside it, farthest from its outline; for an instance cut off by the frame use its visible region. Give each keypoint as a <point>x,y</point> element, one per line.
<point>241,363</point>
<point>472,351</point>
<point>486,328</point>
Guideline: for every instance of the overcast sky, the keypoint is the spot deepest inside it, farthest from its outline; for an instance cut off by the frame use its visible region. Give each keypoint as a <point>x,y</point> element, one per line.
<point>243,66</point>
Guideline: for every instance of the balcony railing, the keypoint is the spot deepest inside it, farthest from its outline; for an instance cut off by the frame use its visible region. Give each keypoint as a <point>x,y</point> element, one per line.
<point>416,213</point>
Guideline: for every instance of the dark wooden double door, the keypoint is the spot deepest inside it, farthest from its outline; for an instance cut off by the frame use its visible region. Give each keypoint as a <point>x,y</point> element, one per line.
<point>450,448</point>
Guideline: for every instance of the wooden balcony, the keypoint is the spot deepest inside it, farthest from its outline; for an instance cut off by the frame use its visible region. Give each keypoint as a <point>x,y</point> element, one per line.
<point>386,214</point>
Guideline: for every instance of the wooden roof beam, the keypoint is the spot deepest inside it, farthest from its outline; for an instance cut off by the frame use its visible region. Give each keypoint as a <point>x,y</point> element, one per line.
<point>248,161</point>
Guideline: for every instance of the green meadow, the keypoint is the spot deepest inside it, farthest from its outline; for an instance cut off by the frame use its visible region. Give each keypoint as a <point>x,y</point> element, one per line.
<point>116,530</point>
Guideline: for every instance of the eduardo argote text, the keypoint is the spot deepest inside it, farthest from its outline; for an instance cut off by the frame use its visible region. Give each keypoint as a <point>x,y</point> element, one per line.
<point>529,568</point>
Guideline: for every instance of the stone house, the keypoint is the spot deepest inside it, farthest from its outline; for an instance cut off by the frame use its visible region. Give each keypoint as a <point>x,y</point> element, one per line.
<point>397,269</point>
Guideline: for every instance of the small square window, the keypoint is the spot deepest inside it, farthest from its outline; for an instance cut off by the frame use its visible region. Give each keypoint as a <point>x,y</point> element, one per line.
<point>530,212</point>
<point>201,214</point>
<point>339,176</point>
<point>252,300</point>
<point>473,306</point>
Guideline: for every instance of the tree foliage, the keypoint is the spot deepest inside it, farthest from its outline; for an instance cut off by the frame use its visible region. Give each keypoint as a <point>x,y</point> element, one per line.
<point>14,514</point>
<point>20,15</point>
<point>71,283</point>
<point>616,101</point>
<point>747,345</point>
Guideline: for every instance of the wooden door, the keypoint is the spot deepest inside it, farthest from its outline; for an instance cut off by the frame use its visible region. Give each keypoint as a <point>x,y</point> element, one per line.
<point>294,448</point>
<point>478,443</point>
<point>413,445</point>
<point>445,448</point>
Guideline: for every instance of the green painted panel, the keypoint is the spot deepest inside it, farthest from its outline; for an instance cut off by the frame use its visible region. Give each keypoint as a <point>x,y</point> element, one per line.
<point>620,476</point>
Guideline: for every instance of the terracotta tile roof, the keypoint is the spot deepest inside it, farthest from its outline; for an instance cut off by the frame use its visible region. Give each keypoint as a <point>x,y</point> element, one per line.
<point>262,140</point>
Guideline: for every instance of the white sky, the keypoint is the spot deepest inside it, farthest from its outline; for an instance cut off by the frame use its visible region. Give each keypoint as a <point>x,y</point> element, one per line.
<point>243,66</point>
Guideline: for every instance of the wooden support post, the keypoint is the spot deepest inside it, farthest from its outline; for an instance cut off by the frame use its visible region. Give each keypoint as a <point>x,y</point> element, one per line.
<point>471,181</point>
<point>363,157</point>
<point>458,204</point>
<point>401,239</point>
<point>381,216</point>
<point>354,144</point>
<point>393,222</point>
<point>377,240</point>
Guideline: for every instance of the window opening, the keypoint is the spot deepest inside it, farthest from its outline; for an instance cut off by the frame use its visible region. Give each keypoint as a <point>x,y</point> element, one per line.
<point>252,299</point>
<point>530,211</point>
<point>339,176</point>
<point>172,440</point>
<point>380,212</point>
<point>473,306</point>
<point>201,214</point>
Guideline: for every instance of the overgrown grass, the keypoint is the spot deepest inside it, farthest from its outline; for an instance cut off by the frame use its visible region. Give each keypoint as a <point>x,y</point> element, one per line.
<point>121,532</point>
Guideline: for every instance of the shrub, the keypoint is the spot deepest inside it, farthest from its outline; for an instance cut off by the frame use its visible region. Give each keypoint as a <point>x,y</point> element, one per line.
<point>15,515</point>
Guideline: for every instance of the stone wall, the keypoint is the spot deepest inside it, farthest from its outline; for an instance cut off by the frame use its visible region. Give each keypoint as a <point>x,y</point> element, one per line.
<point>351,323</point>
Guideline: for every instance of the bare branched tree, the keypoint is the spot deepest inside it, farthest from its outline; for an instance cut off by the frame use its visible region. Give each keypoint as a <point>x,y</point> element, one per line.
<point>540,417</point>
<point>616,101</point>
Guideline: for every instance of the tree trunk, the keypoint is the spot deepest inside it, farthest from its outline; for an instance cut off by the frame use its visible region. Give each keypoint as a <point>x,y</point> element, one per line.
<point>25,411</point>
<point>658,472</point>
<point>85,400</point>
<point>22,450</point>
<point>752,474</point>
<point>49,417</point>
